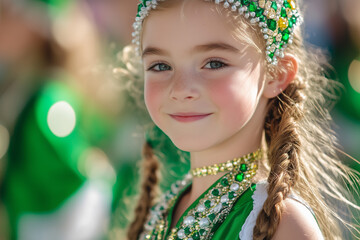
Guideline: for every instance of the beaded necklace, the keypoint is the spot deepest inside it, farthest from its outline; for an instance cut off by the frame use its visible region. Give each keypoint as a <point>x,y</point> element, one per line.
<point>226,166</point>
<point>210,209</point>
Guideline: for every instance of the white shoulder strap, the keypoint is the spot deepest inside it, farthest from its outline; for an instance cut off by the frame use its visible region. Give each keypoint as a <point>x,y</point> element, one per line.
<point>259,197</point>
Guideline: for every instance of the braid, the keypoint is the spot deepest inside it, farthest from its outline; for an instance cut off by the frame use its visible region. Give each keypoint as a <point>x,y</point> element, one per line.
<point>283,153</point>
<point>150,167</point>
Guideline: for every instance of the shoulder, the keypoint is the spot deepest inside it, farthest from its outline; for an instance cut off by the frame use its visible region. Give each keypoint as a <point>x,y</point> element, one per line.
<point>297,222</point>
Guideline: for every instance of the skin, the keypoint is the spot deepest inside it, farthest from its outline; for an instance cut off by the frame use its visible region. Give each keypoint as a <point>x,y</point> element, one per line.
<point>229,86</point>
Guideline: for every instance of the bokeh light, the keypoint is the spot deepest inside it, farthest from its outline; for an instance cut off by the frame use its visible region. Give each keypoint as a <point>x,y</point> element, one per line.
<point>61,119</point>
<point>354,75</point>
<point>4,140</point>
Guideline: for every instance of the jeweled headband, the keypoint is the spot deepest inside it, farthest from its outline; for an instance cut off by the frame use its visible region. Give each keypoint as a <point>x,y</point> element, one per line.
<point>276,18</point>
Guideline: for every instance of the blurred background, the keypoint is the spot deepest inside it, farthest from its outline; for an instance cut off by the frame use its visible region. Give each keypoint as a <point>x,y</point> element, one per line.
<point>70,140</point>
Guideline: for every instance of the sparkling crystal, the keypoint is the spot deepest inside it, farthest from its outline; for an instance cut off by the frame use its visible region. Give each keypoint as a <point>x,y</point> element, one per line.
<point>259,12</point>
<point>290,24</point>
<point>271,24</point>
<point>196,236</point>
<point>211,216</point>
<point>245,2</point>
<point>289,12</point>
<point>271,13</point>
<point>232,195</point>
<point>234,187</point>
<point>181,234</point>
<point>262,3</point>
<point>216,192</point>
<point>218,208</point>
<point>293,19</point>
<point>252,7</point>
<point>204,222</point>
<point>201,208</point>
<point>272,48</point>
<point>207,203</point>
<point>292,5</point>
<point>285,37</point>
<point>283,24</point>
<point>224,198</point>
<point>274,6</point>
<point>224,182</point>
<point>243,167</point>
<point>268,5</point>
<point>189,220</point>
<point>286,4</point>
<point>239,177</point>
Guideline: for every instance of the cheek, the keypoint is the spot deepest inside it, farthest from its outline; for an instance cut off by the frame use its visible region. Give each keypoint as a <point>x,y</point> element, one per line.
<point>152,95</point>
<point>235,97</point>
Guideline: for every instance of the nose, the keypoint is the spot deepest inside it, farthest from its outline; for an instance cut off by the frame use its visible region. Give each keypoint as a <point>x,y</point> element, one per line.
<point>184,88</point>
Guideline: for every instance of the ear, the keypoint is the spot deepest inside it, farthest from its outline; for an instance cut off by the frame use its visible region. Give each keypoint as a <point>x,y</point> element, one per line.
<point>283,75</point>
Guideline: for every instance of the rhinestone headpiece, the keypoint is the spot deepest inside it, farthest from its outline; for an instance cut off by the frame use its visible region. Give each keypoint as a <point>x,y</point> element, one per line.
<point>276,18</point>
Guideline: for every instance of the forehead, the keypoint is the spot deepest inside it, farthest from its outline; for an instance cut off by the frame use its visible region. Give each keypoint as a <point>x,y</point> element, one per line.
<point>186,24</point>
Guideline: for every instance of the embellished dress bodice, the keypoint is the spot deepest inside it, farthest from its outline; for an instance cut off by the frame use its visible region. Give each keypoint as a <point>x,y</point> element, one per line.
<point>219,213</point>
<point>222,212</point>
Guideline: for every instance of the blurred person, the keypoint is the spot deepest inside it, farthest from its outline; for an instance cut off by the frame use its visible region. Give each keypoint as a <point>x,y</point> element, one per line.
<point>59,114</point>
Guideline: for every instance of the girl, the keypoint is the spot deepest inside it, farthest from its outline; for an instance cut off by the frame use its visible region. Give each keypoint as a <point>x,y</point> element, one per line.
<point>231,83</point>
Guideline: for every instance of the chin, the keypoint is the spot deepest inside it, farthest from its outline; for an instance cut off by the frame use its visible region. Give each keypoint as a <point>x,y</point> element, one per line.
<point>190,144</point>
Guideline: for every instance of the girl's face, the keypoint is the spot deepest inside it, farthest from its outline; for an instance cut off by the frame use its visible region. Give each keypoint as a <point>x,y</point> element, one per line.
<point>203,87</point>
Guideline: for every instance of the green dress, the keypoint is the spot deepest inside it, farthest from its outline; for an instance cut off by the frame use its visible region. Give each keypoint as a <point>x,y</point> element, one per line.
<point>219,213</point>
<point>44,173</point>
<point>227,210</point>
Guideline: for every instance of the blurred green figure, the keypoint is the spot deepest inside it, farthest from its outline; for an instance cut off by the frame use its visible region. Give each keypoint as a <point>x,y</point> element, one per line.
<point>58,181</point>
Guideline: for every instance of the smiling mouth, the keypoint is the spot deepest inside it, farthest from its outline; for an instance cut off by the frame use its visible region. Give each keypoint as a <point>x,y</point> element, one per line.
<point>189,117</point>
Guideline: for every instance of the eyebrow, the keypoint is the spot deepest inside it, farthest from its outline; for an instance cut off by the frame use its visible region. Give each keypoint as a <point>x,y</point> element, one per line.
<point>200,48</point>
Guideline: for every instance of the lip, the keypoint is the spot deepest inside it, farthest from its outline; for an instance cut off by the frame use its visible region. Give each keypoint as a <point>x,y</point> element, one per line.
<point>189,117</point>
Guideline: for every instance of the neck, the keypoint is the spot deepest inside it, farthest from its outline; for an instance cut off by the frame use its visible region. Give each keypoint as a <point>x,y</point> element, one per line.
<point>221,153</point>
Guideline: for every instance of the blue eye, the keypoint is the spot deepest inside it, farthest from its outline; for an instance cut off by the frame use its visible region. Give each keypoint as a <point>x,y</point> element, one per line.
<point>159,67</point>
<point>215,64</point>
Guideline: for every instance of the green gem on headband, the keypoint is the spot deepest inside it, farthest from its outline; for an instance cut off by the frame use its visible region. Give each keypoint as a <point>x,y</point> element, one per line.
<point>276,18</point>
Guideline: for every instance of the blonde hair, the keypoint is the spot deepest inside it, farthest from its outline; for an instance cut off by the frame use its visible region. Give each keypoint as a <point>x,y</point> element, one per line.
<point>301,146</point>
